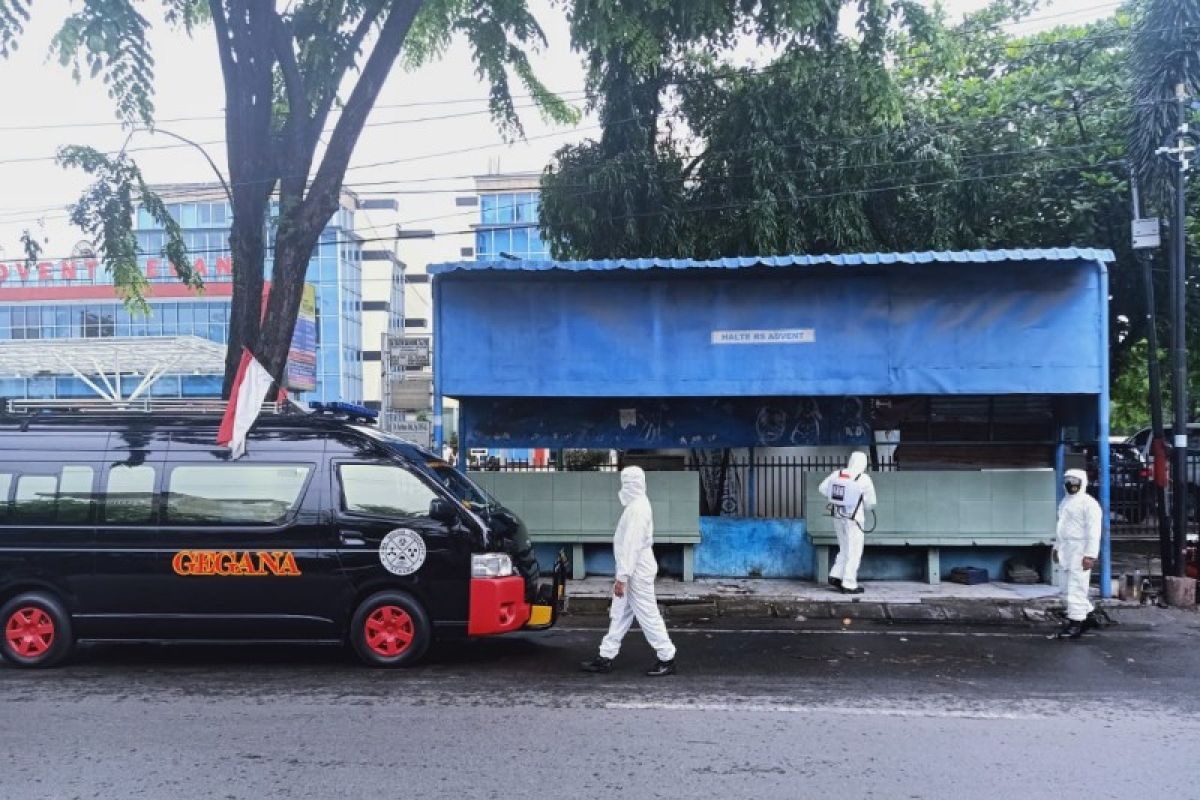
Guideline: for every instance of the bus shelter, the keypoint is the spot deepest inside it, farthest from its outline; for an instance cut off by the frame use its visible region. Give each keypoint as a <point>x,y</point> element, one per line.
<point>788,351</point>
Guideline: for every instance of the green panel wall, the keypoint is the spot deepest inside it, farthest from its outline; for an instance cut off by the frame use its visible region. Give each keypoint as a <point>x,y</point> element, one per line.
<point>947,503</point>
<point>585,503</point>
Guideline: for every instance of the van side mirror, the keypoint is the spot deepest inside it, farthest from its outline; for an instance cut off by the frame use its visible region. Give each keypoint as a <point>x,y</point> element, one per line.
<point>442,511</point>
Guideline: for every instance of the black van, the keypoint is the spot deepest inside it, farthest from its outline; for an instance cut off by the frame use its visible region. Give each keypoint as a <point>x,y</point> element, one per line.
<point>136,526</point>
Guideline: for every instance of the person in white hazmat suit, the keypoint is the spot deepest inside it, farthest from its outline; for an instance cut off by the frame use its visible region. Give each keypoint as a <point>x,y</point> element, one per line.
<point>633,589</point>
<point>1076,548</point>
<point>850,493</point>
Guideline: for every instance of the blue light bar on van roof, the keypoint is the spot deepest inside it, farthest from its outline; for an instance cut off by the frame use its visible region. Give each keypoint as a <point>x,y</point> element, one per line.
<point>351,410</point>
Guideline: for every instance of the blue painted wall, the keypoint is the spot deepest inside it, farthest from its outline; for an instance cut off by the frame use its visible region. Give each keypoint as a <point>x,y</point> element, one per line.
<point>763,548</point>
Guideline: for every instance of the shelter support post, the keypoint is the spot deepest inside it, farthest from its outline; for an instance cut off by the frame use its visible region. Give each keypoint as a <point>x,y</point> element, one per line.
<point>933,565</point>
<point>1102,446</point>
<point>438,433</point>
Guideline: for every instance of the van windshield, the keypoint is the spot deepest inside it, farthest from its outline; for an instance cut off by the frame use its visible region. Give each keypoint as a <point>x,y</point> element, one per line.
<point>467,491</point>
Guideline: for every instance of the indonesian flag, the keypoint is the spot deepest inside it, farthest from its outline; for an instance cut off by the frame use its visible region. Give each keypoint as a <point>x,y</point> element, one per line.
<point>250,388</point>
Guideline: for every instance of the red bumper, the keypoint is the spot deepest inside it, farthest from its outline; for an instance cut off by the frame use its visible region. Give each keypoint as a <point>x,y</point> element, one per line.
<point>497,606</point>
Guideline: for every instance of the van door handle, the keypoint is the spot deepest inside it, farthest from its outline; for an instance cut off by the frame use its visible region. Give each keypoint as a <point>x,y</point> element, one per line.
<point>353,539</point>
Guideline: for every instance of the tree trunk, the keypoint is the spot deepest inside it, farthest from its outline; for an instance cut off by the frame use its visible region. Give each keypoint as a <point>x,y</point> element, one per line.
<point>292,254</point>
<point>245,313</point>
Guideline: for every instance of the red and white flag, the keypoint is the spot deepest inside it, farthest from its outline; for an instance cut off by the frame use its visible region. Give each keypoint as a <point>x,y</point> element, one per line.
<point>250,389</point>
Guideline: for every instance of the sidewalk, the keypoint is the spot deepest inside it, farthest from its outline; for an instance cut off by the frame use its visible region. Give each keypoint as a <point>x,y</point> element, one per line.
<point>898,601</point>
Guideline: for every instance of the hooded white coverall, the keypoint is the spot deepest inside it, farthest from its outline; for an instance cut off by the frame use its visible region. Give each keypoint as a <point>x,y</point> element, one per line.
<point>849,530</point>
<point>1078,536</point>
<point>636,568</point>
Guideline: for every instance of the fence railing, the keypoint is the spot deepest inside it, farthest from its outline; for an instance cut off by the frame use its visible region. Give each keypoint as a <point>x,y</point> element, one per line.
<point>1134,500</point>
<point>762,487</point>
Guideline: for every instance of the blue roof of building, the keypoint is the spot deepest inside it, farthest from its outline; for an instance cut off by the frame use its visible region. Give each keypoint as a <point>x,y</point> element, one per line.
<point>842,260</point>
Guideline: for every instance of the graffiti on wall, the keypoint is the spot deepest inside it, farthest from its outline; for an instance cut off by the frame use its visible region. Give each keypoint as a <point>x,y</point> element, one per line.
<point>641,423</point>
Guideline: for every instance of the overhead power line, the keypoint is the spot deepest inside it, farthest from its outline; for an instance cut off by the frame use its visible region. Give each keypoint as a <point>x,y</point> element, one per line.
<point>866,190</point>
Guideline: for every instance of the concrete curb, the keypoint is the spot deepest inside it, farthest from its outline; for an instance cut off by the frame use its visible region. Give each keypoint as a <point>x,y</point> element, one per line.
<point>947,611</point>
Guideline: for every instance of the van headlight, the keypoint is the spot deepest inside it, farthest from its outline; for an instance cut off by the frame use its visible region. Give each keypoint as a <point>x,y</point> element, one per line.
<point>491,565</point>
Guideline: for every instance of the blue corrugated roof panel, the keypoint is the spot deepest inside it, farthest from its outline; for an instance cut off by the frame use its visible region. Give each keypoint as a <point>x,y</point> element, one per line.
<point>842,260</point>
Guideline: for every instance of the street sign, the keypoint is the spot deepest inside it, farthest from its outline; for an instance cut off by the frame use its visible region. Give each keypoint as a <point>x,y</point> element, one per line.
<point>415,431</point>
<point>412,394</point>
<point>407,352</point>
<point>1146,234</point>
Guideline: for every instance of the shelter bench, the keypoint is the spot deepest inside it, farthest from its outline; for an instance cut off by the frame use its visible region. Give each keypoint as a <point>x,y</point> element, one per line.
<point>937,509</point>
<point>826,542</point>
<point>578,539</point>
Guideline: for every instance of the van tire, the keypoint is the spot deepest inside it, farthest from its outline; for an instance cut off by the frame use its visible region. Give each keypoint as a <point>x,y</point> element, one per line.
<point>390,629</point>
<point>35,630</point>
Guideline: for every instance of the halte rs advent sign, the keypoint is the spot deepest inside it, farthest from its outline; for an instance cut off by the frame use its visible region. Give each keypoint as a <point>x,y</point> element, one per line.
<point>769,336</point>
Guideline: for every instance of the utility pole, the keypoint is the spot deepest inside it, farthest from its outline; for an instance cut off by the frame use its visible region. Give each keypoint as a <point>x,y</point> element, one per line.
<point>1179,150</point>
<point>1146,237</point>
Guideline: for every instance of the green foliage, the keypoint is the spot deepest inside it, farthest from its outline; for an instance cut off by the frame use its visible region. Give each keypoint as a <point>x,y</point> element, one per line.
<point>108,38</point>
<point>499,32</point>
<point>107,211</point>
<point>13,16</point>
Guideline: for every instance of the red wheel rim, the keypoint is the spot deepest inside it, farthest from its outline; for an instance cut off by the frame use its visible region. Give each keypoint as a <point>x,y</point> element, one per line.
<point>29,632</point>
<point>389,631</point>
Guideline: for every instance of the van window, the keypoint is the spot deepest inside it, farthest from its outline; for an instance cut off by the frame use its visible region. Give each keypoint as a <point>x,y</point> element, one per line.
<point>384,491</point>
<point>231,494</point>
<point>129,496</point>
<point>75,494</point>
<point>6,480</point>
<point>55,499</point>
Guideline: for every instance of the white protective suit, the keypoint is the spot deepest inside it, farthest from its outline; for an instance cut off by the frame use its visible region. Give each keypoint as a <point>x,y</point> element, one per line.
<point>849,528</point>
<point>1079,524</point>
<point>636,568</point>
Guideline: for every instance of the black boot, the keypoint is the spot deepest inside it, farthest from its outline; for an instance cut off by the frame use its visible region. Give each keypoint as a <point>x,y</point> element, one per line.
<point>1090,622</point>
<point>1071,629</point>
<point>597,664</point>
<point>662,668</point>
<point>855,590</point>
<point>835,582</point>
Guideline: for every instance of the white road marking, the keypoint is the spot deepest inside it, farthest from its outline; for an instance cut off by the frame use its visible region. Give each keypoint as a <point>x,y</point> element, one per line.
<point>847,711</point>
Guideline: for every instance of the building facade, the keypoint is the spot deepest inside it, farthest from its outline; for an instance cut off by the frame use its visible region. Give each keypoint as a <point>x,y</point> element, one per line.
<point>176,348</point>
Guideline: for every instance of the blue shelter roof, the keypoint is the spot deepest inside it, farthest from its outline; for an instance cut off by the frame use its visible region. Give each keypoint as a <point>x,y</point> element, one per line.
<point>884,324</point>
<point>839,260</point>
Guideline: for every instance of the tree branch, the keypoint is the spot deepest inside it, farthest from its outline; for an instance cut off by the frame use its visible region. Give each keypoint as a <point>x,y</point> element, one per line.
<point>293,81</point>
<point>325,104</point>
<point>216,170</point>
<point>358,106</point>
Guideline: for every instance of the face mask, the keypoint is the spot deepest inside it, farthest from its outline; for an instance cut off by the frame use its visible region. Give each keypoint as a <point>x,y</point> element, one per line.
<point>1072,487</point>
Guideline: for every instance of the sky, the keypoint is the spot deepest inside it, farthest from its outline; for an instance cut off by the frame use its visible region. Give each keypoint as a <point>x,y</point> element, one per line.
<point>429,133</point>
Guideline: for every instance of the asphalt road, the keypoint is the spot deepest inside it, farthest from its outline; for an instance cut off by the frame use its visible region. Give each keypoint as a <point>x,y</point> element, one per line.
<point>859,713</point>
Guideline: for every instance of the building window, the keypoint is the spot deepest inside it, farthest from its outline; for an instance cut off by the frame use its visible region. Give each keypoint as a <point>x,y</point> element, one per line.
<point>375,305</point>
<point>415,322</point>
<point>417,277</point>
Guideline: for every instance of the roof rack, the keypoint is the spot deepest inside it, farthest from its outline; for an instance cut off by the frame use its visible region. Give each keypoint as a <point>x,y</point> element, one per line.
<point>146,405</point>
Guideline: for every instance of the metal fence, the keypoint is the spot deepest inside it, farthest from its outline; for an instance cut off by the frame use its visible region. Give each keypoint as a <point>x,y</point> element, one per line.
<point>762,487</point>
<point>1134,500</point>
